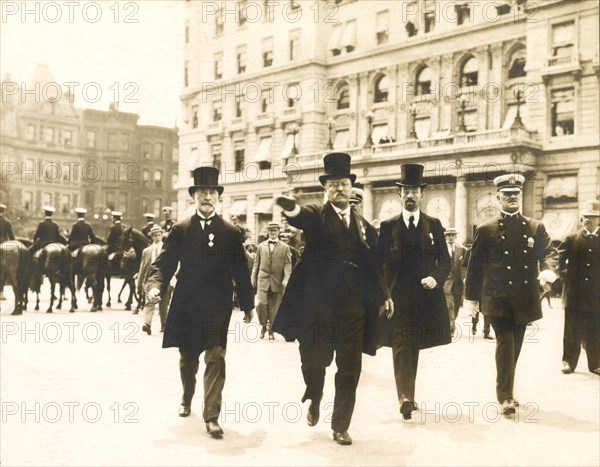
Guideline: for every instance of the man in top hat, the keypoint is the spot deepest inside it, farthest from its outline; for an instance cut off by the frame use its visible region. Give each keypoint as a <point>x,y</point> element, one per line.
<point>502,276</point>
<point>332,300</point>
<point>149,223</point>
<point>114,234</point>
<point>149,255</point>
<point>270,274</point>
<point>6,232</point>
<point>47,231</point>
<point>580,256</point>
<point>416,262</point>
<point>356,200</point>
<point>210,254</point>
<point>454,286</point>
<point>81,233</point>
<point>168,222</point>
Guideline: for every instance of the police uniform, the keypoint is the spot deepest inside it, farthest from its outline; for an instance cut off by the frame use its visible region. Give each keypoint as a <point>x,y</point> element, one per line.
<point>47,231</point>
<point>81,232</point>
<point>6,232</point>
<point>149,224</point>
<point>167,224</point>
<point>115,232</point>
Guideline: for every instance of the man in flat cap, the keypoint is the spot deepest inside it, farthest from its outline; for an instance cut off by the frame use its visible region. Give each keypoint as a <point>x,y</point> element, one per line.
<point>454,286</point>
<point>332,300</point>
<point>149,223</point>
<point>270,274</point>
<point>502,276</point>
<point>47,232</point>
<point>210,254</point>
<point>149,255</point>
<point>580,257</point>
<point>415,262</point>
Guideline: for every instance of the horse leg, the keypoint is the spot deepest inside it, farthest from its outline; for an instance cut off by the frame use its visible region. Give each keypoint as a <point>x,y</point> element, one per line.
<point>108,289</point>
<point>37,301</point>
<point>61,295</point>
<point>73,298</point>
<point>52,297</point>
<point>130,298</point>
<point>120,291</point>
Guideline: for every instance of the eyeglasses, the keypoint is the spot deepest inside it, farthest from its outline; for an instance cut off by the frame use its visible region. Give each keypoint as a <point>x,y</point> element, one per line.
<point>338,183</point>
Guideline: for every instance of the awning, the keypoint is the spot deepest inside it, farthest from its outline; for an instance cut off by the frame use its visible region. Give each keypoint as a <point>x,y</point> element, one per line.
<point>349,38</point>
<point>561,187</point>
<point>379,132</point>
<point>238,207</point>
<point>264,206</point>
<point>559,224</point>
<point>287,146</point>
<point>342,138</point>
<point>336,38</point>
<point>264,150</point>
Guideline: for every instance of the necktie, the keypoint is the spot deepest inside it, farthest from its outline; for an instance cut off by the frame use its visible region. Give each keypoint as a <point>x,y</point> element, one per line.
<point>344,219</point>
<point>204,221</point>
<point>411,223</point>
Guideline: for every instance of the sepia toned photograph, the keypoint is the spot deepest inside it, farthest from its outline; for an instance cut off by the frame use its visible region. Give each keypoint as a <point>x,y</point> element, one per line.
<point>299,232</point>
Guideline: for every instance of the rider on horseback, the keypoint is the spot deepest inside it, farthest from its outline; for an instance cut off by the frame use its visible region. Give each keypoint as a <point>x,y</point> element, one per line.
<point>81,234</point>
<point>6,232</point>
<point>114,235</point>
<point>47,232</point>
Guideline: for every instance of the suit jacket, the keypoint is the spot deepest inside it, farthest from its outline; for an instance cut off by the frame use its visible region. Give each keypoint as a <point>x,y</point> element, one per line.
<point>506,257</point>
<point>47,232</point>
<point>454,282</point>
<point>311,295</point>
<point>146,264</point>
<point>81,234</point>
<point>423,311</point>
<point>272,268</point>
<point>210,261</point>
<point>580,261</point>
<point>6,232</point>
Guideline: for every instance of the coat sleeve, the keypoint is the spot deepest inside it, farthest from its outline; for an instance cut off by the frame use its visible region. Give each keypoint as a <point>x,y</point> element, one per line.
<point>474,278</point>
<point>255,267</point>
<point>547,254</point>
<point>444,262</point>
<point>167,261</point>
<point>287,264</point>
<point>564,252</point>
<point>143,269</point>
<point>241,275</point>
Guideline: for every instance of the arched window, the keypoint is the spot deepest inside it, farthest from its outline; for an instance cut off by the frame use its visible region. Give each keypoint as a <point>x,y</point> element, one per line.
<point>343,101</point>
<point>469,73</point>
<point>517,64</point>
<point>423,85</point>
<point>381,88</point>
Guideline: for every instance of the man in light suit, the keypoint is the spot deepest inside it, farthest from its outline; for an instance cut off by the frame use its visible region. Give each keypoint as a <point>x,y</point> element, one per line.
<point>502,276</point>
<point>415,261</point>
<point>149,255</point>
<point>270,274</point>
<point>211,258</point>
<point>453,286</point>
<point>580,256</point>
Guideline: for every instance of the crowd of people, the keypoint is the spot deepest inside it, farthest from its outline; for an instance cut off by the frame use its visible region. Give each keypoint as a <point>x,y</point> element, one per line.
<point>348,288</point>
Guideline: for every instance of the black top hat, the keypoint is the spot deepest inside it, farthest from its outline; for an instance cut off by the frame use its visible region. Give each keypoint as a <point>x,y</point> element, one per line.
<point>411,175</point>
<point>205,177</point>
<point>337,165</point>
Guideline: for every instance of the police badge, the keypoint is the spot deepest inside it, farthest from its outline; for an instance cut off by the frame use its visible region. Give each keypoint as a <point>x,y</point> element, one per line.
<point>530,242</point>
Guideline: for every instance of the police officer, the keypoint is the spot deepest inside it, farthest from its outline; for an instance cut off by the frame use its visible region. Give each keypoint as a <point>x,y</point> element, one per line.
<point>502,276</point>
<point>168,222</point>
<point>81,232</point>
<point>47,231</point>
<point>149,223</point>
<point>114,234</point>
<point>356,200</point>
<point>6,232</point>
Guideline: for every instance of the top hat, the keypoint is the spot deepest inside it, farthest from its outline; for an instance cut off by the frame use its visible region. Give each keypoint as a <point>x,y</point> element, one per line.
<point>155,229</point>
<point>205,177</point>
<point>48,210</point>
<point>336,165</point>
<point>149,215</point>
<point>411,175</point>
<point>357,195</point>
<point>450,231</point>
<point>2,207</point>
<point>116,214</point>
<point>273,225</point>
<point>509,182</point>
<point>591,208</point>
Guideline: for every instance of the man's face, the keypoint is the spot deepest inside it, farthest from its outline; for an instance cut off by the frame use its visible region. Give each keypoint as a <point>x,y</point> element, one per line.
<point>411,197</point>
<point>206,200</point>
<point>156,237</point>
<point>273,233</point>
<point>167,215</point>
<point>451,238</point>
<point>338,191</point>
<point>591,222</point>
<point>510,200</point>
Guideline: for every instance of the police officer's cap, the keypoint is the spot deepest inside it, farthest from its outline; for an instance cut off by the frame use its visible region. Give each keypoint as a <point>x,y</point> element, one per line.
<point>509,182</point>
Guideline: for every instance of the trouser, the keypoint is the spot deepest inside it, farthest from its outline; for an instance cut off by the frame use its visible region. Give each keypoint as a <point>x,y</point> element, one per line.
<point>486,323</point>
<point>509,339</point>
<point>214,379</point>
<point>268,304</point>
<point>316,353</point>
<point>405,356</point>
<point>581,326</point>
<point>163,308</point>
<point>452,308</point>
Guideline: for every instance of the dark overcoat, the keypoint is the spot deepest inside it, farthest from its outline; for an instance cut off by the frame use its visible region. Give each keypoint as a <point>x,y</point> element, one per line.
<point>6,232</point>
<point>47,232</point>
<point>506,257</point>
<point>580,256</point>
<point>81,234</point>
<point>114,234</point>
<point>311,295</point>
<point>422,312</point>
<point>210,261</point>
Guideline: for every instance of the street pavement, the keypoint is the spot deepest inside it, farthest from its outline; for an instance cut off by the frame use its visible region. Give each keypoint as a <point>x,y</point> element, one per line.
<point>92,389</point>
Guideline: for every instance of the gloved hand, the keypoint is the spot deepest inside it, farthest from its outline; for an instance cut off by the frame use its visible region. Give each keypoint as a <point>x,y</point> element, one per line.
<point>287,203</point>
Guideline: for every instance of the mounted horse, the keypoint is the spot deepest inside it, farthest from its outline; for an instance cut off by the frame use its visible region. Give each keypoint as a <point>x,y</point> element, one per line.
<point>15,265</point>
<point>54,261</point>
<point>91,268</point>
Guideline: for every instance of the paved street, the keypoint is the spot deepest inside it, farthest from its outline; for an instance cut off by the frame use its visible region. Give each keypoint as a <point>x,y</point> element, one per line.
<point>92,389</point>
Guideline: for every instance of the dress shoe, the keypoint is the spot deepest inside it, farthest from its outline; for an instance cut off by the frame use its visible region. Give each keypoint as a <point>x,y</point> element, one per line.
<point>596,371</point>
<point>263,331</point>
<point>271,337</point>
<point>406,409</point>
<point>146,328</point>
<point>342,438</point>
<point>313,413</point>
<point>136,312</point>
<point>487,337</point>
<point>213,428</point>
<point>508,407</point>
<point>184,410</point>
<point>566,368</point>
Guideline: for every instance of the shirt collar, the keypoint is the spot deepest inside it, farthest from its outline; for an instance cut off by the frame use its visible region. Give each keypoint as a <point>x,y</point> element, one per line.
<point>587,232</point>
<point>81,219</point>
<point>202,218</point>
<point>406,216</point>
<point>510,214</point>
<point>339,211</point>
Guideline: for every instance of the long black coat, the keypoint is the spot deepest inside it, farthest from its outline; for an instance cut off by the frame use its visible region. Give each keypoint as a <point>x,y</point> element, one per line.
<point>210,260</point>
<point>6,232</point>
<point>422,312</point>
<point>47,232</point>
<point>505,260</point>
<point>114,234</point>
<point>81,234</point>
<point>580,255</point>
<point>311,295</point>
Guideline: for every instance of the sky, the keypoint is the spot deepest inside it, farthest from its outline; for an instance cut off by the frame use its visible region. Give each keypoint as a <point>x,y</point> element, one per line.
<point>126,51</point>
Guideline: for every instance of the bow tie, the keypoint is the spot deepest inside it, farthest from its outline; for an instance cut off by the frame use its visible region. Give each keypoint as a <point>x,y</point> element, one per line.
<point>273,242</point>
